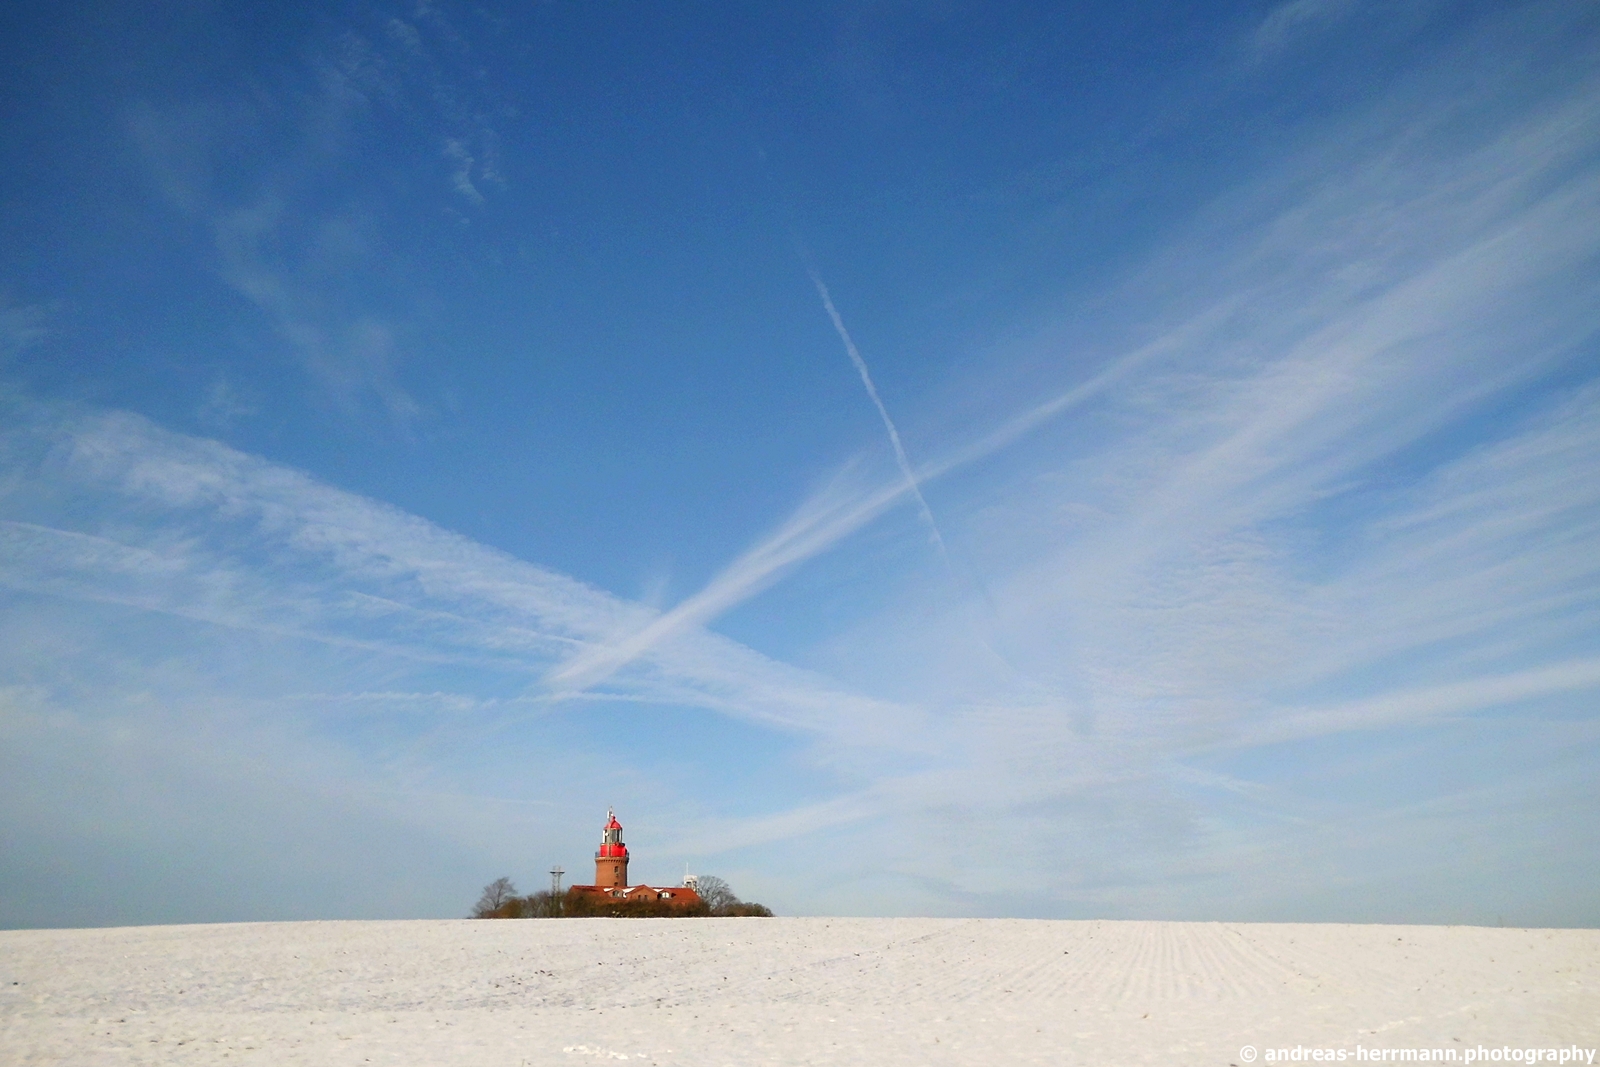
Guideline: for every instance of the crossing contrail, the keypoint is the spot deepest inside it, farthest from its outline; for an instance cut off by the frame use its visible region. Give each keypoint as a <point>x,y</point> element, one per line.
<point>888,424</point>
<point>815,529</point>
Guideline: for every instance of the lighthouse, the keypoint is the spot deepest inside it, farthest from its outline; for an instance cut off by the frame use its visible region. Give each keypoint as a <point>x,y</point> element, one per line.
<point>612,895</point>
<point>611,861</point>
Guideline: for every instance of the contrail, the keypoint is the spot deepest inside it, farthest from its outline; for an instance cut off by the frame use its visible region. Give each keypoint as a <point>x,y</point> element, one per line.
<point>814,530</point>
<point>883,412</point>
<point>899,450</point>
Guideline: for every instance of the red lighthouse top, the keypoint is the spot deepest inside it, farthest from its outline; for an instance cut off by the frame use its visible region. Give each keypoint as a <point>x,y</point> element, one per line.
<point>611,840</point>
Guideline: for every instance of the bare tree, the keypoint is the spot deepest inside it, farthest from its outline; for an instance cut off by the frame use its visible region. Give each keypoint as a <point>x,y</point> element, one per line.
<point>496,895</point>
<point>717,894</point>
<point>542,905</point>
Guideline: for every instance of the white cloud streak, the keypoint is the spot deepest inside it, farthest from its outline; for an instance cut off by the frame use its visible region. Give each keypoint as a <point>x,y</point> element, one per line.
<point>1410,708</point>
<point>1353,495</point>
<point>834,514</point>
<point>282,245</point>
<point>1335,495</point>
<point>1289,22</point>
<point>21,327</point>
<point>860,365</point>
<point>340,569</point>
<point>1480,225</point>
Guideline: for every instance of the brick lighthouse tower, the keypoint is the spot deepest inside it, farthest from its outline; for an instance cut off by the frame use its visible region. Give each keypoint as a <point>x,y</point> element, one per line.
<point>612,895</point>
<point>611,861</point>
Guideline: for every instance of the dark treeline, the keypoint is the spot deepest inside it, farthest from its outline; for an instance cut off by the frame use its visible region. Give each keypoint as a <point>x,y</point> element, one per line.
<point>500,901</point>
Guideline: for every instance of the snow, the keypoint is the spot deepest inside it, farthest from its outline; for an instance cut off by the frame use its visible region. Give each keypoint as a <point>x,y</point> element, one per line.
<point>581,992</point>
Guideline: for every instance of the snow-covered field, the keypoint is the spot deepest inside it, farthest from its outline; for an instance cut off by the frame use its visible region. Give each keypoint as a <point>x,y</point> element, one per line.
<point>708,992</point>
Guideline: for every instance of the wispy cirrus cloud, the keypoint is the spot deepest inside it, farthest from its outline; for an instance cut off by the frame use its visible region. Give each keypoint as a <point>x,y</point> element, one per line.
<point>1288,22</point>
<point>1292,570</point>
<point>187,603</point>
<point>196,529</point>
<point>257,178</point>
<point>1340,496</point>
<point>1411,708</point>
<point>21,326</point>
<point>1319,329</point>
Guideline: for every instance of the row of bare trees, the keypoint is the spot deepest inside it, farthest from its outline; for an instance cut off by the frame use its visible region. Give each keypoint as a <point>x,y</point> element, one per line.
<point>500,901</point>
<point>718,898</point>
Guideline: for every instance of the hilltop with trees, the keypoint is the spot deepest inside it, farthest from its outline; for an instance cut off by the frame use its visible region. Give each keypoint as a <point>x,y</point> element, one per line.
<point>500,901</point>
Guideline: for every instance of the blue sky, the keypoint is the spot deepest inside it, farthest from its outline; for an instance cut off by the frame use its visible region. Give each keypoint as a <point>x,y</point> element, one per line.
<point>1044,460</point>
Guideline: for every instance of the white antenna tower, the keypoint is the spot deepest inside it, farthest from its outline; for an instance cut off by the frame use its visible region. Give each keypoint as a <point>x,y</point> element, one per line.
<point>691,881</point>
<point>555,881</point>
